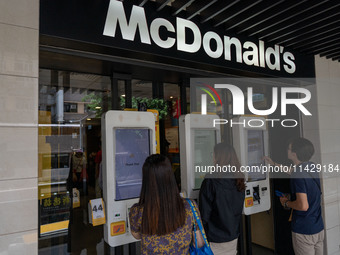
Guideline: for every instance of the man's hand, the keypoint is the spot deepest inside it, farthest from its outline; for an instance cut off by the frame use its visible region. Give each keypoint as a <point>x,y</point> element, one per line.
<point>268,160</point>
<point>300,204</point>
<point>283,200</point>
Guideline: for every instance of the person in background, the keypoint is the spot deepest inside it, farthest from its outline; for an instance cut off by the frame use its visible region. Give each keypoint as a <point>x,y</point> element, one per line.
<point>305,199</point>
<point>162,220</point>
<point>79,169</point>
<point>98,173</point>
<point>91,166</point>
<point>221,202</point>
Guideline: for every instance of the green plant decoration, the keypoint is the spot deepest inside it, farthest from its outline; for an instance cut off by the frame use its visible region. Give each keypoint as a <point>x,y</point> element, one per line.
<point>151,103</point>
<point>95,101</point>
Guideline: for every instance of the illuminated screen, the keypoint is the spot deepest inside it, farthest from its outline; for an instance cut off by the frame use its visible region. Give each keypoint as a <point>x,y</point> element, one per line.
<point>204,143</point>
<point>132,148</point>
<point>255,154</point>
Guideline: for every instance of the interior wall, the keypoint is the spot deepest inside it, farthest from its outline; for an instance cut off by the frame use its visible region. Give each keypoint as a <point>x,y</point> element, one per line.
<point>263,229</point>
<point>19,50</point>
<point>323,129</point>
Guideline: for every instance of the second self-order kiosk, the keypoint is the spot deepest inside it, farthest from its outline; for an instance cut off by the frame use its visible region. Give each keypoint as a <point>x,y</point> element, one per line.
<point>128,139</point>
<point>197,136</point>
<point>250,136</point>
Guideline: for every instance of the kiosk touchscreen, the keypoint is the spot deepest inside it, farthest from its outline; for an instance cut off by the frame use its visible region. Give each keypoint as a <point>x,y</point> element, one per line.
<point>198,137</point>
<point>128,139</point>
<point>251,144</point>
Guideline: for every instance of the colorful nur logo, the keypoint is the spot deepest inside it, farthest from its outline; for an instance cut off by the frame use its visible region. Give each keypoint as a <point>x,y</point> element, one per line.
<point>239,99</point>
<point>205,87</point>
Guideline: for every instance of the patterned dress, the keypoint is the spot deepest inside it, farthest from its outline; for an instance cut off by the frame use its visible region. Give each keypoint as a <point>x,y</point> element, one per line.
<point>177,242</point>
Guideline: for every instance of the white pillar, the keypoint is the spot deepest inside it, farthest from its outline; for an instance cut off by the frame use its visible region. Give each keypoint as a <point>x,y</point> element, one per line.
<point>323,129</point>
<point>19,66</point>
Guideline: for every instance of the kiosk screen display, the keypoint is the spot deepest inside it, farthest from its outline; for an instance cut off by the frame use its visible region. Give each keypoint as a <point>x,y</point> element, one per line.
<point>204,142</point>
<point>132,148</point>
<point>255,155</point>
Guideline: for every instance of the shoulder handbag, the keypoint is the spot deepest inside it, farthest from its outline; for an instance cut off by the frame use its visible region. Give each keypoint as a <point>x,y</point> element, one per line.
<point>193,249</point>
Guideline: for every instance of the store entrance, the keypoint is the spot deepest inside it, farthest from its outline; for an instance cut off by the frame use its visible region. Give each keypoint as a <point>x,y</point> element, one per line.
<point>70,108</point>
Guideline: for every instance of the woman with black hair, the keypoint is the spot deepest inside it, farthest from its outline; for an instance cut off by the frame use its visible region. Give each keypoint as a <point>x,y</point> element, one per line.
<point>221,201</point>
<point>162,219</point>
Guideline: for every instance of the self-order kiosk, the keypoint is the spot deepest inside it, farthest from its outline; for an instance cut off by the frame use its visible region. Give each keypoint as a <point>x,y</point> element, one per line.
<point>198,136</point>
<point>128,139</point>
<point>250,136</point>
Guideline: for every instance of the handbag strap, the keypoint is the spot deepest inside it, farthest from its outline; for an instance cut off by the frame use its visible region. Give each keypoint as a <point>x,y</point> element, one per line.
<point>314,179</point>
<point>317,184</point>
<point>198,221</point>
<point>195,236</point>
